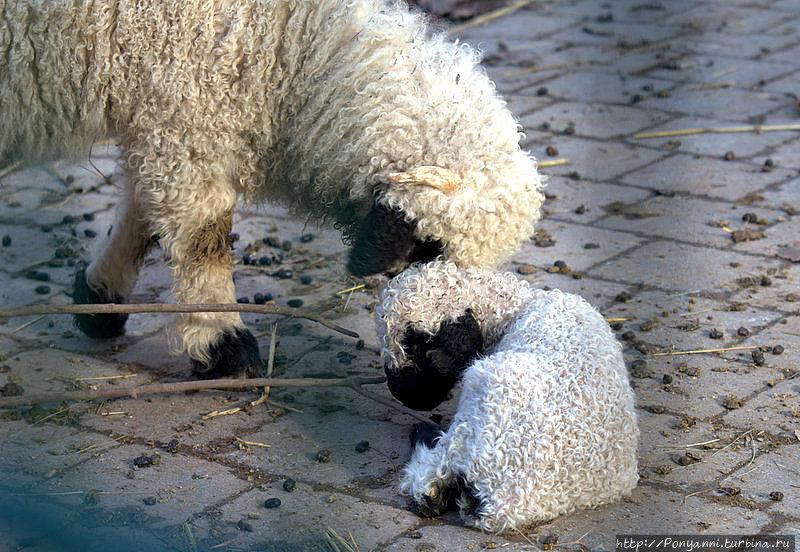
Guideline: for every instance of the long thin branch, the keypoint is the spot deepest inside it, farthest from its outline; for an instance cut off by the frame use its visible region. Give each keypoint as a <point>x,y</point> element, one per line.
<point>120,308</point>
<point>388,402</point>
<point>182,386</point>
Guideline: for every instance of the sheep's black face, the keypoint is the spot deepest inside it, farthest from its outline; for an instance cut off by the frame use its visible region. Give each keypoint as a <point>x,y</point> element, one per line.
<point>385,242</point>
<point>435,362</point>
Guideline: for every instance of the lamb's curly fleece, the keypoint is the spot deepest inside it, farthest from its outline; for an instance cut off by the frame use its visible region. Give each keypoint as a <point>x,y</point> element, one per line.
<point>313,104</point>
<point>545,422</point>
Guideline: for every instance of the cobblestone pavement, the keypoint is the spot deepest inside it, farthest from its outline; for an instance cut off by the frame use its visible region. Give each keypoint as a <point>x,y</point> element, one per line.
<point>684,242</point>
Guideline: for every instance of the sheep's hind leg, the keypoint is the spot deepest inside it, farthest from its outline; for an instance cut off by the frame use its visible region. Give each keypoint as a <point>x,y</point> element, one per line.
<point>111,276</point>
<point>218,343</point>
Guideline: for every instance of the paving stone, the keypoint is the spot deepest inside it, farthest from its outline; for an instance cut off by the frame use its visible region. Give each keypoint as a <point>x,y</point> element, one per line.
<point>782,157</point>
<point>37,522</point>
<point>686,219</point>
<point>746,45</point>
<point>582,201</point>
<point>679,322</point>
<point>18,292</point>
<point>596,120</point>
<point>633,34</point>
<point>702,268</point>
<point>525,23</point>
<point>299,523</point>
<point>334,421</point>
<point>729,180</point>
<point>45,370</point>
<point>784,197</point>
<point>598,160</point>
<point>454,538</point>
<point>690,455</point>
<point>775,409</point>
<point>722,72</point>
<point>602,87</point>
<point>569,247</point>
<point>596,292</point>
<point>732,19</point>
<point>611,68</point>
<point>20,255</point>
<point>781,233</point>
<point>720,103</point>
<point>650,511</point>
<point>774,472</point>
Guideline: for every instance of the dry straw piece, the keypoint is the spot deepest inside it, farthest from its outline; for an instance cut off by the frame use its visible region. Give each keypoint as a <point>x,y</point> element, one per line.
<point>711,130</point>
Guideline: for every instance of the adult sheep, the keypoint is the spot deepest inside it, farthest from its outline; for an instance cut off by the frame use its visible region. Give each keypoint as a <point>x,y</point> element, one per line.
<point>346,111</point>
<point>545,422</point>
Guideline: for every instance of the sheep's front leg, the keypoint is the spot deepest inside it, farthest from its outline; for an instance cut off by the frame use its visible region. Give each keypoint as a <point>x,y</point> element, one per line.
<point>111,276</point>
<point>198,245</point>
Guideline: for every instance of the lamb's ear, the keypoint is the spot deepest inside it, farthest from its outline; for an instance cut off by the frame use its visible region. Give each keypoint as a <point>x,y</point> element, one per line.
<point>428,175</point>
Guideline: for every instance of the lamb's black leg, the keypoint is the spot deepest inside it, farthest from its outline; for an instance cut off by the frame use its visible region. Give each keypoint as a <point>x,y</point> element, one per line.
<point>425,433</point>
<point>234,355</point>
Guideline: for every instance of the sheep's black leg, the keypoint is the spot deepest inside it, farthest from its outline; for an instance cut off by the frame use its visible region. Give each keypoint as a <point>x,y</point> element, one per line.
<point>111,276</point>
<point>96,326</point>
<point>385,243</point>
<point>218,343</point>
<point>235,354</point>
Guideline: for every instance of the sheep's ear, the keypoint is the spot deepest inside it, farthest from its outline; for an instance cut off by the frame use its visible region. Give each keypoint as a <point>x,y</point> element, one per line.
<point>428,175</point>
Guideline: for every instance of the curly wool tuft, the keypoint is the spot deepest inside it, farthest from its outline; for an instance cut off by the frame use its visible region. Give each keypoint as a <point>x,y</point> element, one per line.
<point>545,422</point>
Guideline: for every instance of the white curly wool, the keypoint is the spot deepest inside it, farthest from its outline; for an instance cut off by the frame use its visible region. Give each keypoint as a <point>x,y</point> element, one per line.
<point>545,421</point>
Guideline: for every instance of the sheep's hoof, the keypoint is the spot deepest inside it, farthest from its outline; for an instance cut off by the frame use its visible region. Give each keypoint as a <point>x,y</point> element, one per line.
<point>96,326</point>
<point>234,355</point>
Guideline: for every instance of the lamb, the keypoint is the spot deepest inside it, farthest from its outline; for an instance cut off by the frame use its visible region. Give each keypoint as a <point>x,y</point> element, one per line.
<point>347,111</point>
<point>545,422</point>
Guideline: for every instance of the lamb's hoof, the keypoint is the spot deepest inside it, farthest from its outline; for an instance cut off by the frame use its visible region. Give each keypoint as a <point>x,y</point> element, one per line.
<point>468,502</point>
<point>234,355</point>
<point>433,505</point>
<point>96,326</point>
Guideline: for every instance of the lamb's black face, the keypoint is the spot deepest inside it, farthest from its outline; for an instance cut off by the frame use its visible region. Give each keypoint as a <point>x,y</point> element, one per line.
<point>385,243</point>
<point>435,362</point>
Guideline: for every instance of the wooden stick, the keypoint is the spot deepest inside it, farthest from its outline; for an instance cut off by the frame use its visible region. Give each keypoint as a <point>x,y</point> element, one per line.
<point>552,163</point>
<point>120,308</point>
<point>748,128</point>
<point>721,350</point>
<point>485,18</point>
<point>388,402</point>
<point>183,386</point>
<point>10,169</point>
